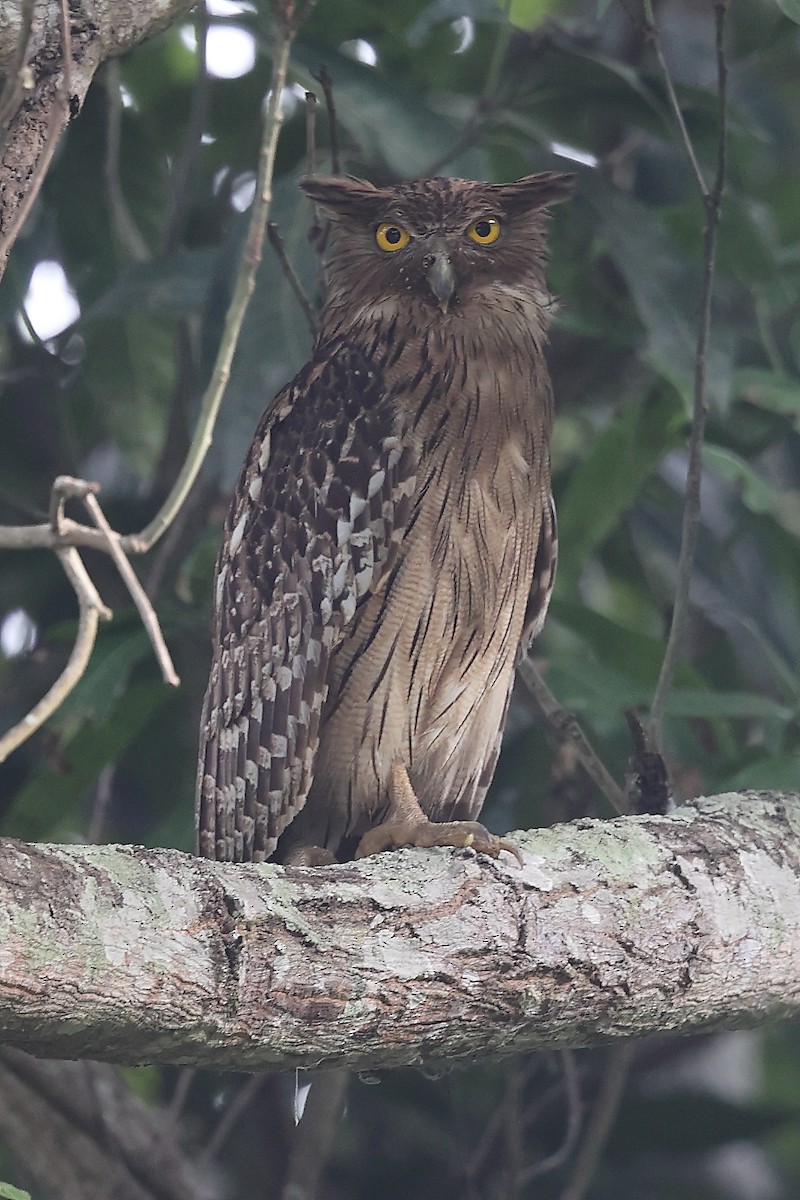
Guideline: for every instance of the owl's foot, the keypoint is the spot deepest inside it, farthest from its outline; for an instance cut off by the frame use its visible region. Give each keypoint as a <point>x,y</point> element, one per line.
<point>309,856</point>
<point>425,833</point>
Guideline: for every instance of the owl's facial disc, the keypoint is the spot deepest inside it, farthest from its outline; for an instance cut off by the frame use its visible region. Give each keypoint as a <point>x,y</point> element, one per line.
<point>440,276</point>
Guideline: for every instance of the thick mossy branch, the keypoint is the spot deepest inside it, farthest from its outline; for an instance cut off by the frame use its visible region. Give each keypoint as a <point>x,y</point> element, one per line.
<point>610,930</point>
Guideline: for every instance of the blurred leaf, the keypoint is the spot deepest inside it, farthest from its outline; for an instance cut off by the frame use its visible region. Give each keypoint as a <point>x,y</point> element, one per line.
<point>48,806</point>
<point>759,495</point>
<point>176,285</point>
<point>452,10</point>
<point>389,124</point>
<point>9,1192</point>
<point>689,1123</point>
<point>115,655</point>
<point>791,8</point>
<point>609,479</point>
<point>781,773</point>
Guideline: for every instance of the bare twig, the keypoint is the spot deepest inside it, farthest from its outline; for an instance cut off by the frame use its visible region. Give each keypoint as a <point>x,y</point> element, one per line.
<point>325,80</point>
<point>565,728</point>
<point>276,241</point>
<point>122,219</point>
<point>312,107</point>
<point>243,289</point>
<point>712,201</point>
<point>91,611</point>
<point>184,172</point>
<point>137,592</point>
<point>572,1131</point>
<point>241,1101</point>
<point>600,1123</point>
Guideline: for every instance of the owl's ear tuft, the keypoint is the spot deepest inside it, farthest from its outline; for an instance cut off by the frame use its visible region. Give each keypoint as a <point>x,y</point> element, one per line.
<point>536,191</point>
<point>343,195</point>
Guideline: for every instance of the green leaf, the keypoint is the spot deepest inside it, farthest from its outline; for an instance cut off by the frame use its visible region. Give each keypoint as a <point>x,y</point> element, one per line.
<point>790,8</point>
<point>608,481</point>
<point>768,389</point>
<point>390,123</point>
<point>759,495</point>
<point>778,773</point>
<point>47,804</point>
<point>177,285</point>
<point>693,702</point>
<point>9,1192</point>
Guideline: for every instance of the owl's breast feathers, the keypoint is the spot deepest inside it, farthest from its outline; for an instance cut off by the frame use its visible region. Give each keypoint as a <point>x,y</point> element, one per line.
<point>376,500</point>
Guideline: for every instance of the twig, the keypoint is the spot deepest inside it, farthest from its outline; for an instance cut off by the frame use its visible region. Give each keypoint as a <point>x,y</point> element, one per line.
<point>276,241</point>
<point>600,1123</point>
<point>565,728</point>
<point>240,1102</point>
<point>712,201</point>
<point>121,217</point>
<point>91,611</point>
<point>312,107</point>
<point>326,82</point>
<point>176,212</point>
<point>243,289</point>
<point>137,592</point>
<point>573,1098</point>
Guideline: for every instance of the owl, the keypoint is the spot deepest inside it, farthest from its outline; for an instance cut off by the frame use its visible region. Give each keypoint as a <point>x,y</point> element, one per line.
<point>391,544</point>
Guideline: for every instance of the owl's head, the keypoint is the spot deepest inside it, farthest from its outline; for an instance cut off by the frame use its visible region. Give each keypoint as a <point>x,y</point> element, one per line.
<point>450,246</point>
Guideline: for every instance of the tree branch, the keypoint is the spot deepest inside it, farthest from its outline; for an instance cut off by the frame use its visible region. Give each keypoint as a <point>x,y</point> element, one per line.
<point>54,73</point>
<point>610,930</point>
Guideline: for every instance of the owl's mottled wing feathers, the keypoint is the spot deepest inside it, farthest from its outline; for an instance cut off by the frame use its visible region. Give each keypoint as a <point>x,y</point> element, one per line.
<point>320,506</point>
<point>544,572</point>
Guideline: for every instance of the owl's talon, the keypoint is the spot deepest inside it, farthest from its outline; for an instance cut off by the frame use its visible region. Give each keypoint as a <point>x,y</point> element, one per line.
<point>425,834</point>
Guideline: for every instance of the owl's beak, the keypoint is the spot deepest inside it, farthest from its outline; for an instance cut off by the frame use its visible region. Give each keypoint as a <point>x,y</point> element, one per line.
<point>441,278</point>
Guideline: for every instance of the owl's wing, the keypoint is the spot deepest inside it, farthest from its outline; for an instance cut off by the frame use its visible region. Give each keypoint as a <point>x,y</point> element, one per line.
<point>316,519</point>
<point>544,573</point>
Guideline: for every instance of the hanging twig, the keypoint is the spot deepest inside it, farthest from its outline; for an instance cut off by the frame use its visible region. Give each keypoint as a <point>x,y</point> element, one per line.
<point>325,80</point>
<point>122,219</point>
<point>565,728</point>
<point>137,592</point>
<point>276,241</point>
<point>601,1122</point>
<point>91,611</point>
<point>712,201</point>
<point>573,1128</point>
<point>312,107</point>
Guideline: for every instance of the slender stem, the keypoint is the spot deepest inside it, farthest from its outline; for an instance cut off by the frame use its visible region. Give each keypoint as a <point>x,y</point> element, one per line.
<point>137,592</point>
<point>712,201</point>
<point>326,82</point>
<point>91,610</point>
<point>245,283</point>
<point>600,1123</point>
<point>276,241</point>
<point>122,220</point>
<point>566,730</point>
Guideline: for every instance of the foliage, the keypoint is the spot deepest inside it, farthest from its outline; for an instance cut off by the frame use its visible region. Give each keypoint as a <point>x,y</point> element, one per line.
<point>456,88</point>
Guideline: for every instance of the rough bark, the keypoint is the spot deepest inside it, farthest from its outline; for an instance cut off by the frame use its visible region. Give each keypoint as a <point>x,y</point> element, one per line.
<point>45,87</point>
<point>610,930</point>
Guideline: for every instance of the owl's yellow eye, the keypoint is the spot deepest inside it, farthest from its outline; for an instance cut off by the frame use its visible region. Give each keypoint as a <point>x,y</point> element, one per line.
<point>484,231</point>
<point>391,237</point>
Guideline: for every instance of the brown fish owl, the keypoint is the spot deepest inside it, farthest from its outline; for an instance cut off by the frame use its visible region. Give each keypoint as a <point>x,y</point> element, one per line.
<point>391,543</point>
